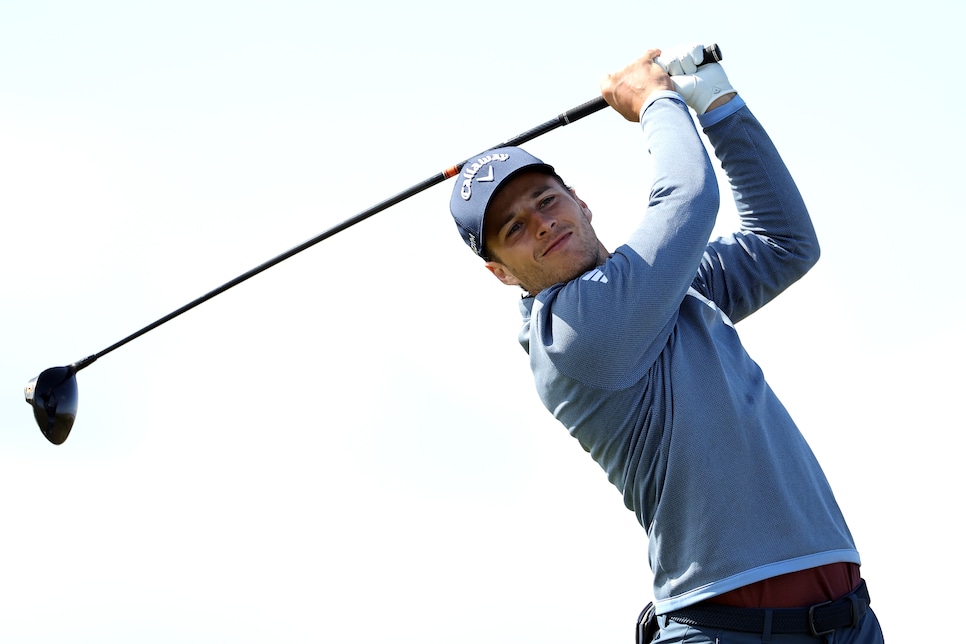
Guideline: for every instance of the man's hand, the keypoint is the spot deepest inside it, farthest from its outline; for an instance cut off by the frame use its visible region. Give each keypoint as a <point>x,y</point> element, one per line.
<point>705,89</point>
<point>627,90</point>
<point>682,59</point>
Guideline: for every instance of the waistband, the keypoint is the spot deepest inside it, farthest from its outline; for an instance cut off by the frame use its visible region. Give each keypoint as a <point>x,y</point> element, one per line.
<point>795,589</point>
<point>819,619</point>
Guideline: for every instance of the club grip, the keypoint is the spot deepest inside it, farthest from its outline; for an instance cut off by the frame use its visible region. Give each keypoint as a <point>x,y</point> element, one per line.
<point>712,54</point>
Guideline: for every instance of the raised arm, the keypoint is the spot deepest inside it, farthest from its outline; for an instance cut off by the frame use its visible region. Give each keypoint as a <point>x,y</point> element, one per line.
<point>776,243</point>
<point>583,325</point>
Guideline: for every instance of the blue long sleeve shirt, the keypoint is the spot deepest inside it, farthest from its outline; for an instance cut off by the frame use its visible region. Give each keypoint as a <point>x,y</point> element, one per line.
<point>640,361</point>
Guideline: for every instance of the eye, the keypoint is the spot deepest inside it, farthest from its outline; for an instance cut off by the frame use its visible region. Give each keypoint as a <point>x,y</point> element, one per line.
<point>546,201</point>
<point>514,228</point>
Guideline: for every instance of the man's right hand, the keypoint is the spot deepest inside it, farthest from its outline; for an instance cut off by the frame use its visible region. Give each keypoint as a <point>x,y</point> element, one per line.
<point>627,90</point>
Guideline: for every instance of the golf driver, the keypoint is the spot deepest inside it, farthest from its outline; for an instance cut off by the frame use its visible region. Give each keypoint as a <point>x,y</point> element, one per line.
<point>53,394</point>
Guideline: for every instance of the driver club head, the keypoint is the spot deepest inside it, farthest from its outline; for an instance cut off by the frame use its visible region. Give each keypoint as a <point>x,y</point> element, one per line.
<point>53,396</point>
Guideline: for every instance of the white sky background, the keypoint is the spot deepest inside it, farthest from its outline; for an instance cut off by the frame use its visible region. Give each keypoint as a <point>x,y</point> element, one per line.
<point>348,448</point>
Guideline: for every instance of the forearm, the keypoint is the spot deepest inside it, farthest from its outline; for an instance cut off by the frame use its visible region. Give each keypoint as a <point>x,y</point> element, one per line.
<point>776,243</point>
<point>684,197</point>
<point>768,201</point>
<point>582,329</point>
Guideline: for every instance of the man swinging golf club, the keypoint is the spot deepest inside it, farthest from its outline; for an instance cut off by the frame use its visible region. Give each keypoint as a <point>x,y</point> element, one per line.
<point>635,352</point>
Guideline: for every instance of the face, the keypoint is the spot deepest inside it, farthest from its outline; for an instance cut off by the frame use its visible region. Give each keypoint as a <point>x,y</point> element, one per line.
<point>538,233</point>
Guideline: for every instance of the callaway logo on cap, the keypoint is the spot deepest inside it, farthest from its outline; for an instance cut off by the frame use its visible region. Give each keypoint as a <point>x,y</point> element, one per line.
<point>478,182</point>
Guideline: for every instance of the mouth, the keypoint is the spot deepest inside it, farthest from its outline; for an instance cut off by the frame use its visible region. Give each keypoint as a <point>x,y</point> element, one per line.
<point>557,243</point>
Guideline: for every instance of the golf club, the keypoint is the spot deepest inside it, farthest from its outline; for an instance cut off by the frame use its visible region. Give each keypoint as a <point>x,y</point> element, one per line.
<point>53,394</point>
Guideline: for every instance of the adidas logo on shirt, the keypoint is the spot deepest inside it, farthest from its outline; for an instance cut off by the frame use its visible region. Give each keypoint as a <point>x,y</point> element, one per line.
<point>595,275</point>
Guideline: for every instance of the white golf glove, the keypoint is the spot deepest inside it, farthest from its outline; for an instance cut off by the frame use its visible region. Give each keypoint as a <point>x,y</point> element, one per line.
<point>681,60</point>
<point>701,88</point>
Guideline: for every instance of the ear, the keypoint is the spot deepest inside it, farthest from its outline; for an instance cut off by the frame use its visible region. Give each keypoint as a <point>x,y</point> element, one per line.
<point>502,273</point>
<point>583,205</point>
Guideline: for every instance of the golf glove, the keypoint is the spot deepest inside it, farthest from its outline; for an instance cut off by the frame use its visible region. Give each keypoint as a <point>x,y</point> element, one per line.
<point>701,88</point>
<point>681,60</point>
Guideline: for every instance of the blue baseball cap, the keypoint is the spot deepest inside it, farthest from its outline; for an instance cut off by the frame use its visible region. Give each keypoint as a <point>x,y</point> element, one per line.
<point>479,181</point>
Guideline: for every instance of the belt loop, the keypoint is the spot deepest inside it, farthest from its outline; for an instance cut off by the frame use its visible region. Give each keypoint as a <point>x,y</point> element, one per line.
<point>766,631</point>
<point>856,607</point>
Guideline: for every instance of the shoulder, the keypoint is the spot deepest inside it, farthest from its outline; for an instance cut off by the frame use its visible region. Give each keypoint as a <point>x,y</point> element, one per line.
<point>586,330</point>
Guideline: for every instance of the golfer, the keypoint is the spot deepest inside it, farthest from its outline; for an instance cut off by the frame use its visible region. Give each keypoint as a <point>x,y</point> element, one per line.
<point>635,352</point>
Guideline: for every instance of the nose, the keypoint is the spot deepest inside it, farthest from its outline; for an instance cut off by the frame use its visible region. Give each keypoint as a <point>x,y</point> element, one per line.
<point>545,224</point>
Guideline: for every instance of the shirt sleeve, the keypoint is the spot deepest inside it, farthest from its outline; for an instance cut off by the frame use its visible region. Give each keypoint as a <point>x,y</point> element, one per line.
<point>776,243</point>
<point>606,332</point>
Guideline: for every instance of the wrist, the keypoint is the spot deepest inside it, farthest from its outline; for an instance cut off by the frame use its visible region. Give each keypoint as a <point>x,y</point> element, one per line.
<point>725,110</point>
<point>718,102</point>
<point>662,93</point>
